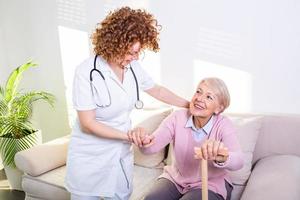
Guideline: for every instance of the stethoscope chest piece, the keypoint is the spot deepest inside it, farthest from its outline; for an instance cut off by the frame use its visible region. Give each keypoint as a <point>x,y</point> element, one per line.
<point>139,104</point>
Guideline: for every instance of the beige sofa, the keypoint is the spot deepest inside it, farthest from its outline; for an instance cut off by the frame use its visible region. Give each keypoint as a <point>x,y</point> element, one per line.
<point>271,144</point>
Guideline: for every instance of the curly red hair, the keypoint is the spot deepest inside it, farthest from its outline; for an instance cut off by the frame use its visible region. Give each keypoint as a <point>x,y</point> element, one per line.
<point>121,29</point>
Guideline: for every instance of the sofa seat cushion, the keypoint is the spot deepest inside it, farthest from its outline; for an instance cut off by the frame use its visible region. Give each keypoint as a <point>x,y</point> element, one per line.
<point>143,179</point>
<point>49,185</point>
<point>237,192</point>
<point>274,177</point>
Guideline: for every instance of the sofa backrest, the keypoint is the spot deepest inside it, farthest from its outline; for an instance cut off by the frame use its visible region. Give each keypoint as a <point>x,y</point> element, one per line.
<point>279,134</point>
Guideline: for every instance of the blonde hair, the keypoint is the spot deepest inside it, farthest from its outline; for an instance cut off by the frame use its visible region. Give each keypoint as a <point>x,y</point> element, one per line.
<point>220,89</point>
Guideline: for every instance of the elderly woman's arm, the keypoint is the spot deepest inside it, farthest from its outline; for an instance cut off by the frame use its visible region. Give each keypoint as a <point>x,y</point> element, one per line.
<point>235,159</point>
<point>163,94</point>
<point>231,156</point>
<point>162,136</point>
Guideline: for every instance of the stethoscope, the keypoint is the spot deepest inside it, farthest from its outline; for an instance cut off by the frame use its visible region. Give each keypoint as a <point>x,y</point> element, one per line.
<point>138,104</point>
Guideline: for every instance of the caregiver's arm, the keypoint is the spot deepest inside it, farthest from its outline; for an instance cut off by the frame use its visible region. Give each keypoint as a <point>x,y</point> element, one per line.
<point>163,94</point>
<point>89,125</point>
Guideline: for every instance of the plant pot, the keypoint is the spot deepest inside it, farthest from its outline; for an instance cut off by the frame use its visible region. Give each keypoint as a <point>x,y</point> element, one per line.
<point>13,174</point>
<point>1,165</point>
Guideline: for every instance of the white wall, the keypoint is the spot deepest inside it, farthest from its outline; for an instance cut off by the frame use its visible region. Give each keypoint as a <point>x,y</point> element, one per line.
<point>29,31</point>
<point>253,45</point>
<point>258,39</point>
<point>2,52</point>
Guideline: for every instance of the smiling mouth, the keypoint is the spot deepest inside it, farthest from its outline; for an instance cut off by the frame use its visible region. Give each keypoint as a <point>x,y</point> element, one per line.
<point>199,106</point>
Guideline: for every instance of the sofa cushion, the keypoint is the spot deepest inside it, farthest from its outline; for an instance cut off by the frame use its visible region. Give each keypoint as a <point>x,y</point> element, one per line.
<point>237,192</point>
<point>149,120</point>
<point>49,185</point>
<point>143,179</point>
<point>247,132</point>
<point>274,177</point>
<point>284,128</point>
<point>35,161</point>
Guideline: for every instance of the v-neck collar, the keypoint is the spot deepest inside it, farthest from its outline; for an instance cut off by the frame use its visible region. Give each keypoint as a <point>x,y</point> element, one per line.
<point>104,67</point>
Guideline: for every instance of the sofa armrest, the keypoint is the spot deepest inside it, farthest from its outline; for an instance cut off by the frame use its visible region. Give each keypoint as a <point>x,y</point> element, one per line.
<point>274,177</point>
<point>42,158</point>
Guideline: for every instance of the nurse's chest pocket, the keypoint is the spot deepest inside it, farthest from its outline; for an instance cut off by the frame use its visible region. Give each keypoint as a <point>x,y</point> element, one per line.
<point>100,91</point>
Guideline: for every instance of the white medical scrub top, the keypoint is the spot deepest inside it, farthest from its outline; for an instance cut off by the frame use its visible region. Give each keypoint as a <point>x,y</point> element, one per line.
<point>95,165</point>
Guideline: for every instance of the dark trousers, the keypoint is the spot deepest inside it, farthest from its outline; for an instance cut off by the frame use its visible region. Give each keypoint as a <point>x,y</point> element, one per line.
<point>166,190</point>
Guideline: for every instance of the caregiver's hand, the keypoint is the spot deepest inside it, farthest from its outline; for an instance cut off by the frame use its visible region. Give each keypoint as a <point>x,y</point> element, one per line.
<point>139,137</point>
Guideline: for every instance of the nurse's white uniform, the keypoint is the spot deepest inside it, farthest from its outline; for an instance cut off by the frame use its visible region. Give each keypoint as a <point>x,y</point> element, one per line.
<point>98,166</point>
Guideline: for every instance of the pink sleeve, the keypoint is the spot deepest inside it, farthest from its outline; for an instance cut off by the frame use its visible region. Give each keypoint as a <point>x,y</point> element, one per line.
<point>235,160</point>
<point>163,135</point>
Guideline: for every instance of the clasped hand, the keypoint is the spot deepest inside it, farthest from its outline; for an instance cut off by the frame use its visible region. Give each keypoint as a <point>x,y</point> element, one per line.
<point>212,150</point>
<point>139,137</point>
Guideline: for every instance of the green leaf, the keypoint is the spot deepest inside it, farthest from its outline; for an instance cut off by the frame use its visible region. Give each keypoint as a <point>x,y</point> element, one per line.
<point>2,92</point>
<point>3,108</point>
<point>16,131</point>
<point>22,105</point>
<point>14,79</point>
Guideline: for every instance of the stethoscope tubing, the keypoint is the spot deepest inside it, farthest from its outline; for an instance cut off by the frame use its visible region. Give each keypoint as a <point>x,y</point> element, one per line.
<point>139,104</point>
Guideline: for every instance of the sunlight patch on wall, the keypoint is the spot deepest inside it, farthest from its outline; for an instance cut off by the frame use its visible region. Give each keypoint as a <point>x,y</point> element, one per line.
<point>74,47</point>
<point>238,82</point>
<point>150,62</point>
<point>218,43</point>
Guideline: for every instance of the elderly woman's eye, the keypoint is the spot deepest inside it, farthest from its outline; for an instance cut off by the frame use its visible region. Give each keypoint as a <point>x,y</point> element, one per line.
<point>199,91</point>
<point>210,97</point>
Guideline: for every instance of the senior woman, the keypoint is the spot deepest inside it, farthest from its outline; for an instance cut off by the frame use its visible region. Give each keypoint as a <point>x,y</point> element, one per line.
<point>106,89</point>
<point>201,130</point>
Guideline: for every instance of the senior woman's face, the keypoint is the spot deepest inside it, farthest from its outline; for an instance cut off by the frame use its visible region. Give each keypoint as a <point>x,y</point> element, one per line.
<point>133,54</point>
<point>204,102</point>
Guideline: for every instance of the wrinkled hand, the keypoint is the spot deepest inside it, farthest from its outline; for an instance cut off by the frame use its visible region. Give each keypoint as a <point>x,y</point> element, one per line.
<point>212,150</point>
<point>139,137</point>
<point>148,140</point>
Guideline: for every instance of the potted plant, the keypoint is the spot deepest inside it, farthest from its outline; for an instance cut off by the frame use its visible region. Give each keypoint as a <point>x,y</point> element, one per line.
<point>16,130</point>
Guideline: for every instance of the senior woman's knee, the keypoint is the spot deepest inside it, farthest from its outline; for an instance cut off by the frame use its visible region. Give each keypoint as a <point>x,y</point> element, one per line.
<point>151,196</point>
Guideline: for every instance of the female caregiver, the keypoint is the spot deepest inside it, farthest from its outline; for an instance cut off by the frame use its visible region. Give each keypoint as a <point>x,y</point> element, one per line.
<point>106,89</point>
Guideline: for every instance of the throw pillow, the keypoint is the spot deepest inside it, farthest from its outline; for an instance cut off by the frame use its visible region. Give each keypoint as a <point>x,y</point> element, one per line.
<point>247,132</point>
<point>149,120</point>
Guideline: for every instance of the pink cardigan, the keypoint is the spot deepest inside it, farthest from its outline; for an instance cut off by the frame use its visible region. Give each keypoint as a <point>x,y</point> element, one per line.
<point>185,170</point>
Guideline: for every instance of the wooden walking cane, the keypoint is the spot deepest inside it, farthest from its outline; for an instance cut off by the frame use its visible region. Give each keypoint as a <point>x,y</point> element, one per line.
<point>204,173</point>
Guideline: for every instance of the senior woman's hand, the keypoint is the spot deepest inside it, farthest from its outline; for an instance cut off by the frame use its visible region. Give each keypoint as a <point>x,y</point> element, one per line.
<point>212,150</point>
<point>139,137</point>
